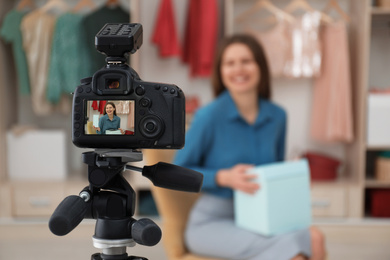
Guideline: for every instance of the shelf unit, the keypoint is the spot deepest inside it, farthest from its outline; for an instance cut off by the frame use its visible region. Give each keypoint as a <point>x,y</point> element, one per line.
<point>379,31</point>
<point>380,11</point>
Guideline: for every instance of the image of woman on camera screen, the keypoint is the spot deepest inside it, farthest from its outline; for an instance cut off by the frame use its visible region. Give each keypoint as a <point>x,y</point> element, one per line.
<point>110,122</point>
<point>240,129</point>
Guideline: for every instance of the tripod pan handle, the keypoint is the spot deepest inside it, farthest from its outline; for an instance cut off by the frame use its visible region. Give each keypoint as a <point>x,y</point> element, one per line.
<point>68,214</point>
<point>145,232</point>
<point>173,177</point>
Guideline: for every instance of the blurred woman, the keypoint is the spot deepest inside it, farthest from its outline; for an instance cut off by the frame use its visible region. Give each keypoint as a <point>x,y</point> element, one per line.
<point>241,128</point>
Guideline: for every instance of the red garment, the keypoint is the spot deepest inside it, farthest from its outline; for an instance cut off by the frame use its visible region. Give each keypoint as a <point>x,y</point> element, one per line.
<point>201,36</point>
<point>164,35</point>
<point>95,105</point>
<point>102,104</point>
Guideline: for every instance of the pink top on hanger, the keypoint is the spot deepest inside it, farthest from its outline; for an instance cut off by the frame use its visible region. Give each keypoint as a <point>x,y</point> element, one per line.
<point>164,35</point>
<point>332,117</point>
<point>276,44</point>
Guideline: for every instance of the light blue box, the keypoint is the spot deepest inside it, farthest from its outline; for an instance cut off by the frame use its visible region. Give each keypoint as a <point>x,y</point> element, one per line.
<point>283,202</point>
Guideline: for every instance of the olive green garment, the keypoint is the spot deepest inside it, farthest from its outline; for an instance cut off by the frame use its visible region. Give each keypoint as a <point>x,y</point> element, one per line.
<point>69,61</point>
<point>10,32</point>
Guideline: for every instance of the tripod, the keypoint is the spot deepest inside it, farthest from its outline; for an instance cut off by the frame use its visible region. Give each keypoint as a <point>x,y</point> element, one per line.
<point>110,200</point>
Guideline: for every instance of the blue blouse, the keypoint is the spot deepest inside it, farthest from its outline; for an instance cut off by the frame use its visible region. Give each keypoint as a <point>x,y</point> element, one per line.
<point>220,138</point>
<point>106,124</point>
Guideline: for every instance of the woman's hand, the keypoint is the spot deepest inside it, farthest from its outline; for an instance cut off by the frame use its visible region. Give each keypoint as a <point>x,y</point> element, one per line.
<point>122,131</point>
<point>237,178</point>
<point>96,128</point>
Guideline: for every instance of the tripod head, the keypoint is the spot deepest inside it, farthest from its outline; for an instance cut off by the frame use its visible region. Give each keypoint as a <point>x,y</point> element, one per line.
<point>110,200</point>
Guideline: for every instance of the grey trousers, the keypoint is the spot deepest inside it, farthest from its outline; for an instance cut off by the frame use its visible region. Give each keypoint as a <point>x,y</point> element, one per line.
<point>211,232</point>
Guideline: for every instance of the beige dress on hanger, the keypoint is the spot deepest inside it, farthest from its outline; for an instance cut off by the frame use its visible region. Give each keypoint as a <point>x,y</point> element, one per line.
<point>37,31</point>
<point>123,107</point>
<point>304,58</point>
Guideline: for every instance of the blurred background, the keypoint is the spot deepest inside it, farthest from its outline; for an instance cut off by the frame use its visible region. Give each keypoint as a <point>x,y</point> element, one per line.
<point>39,165</point>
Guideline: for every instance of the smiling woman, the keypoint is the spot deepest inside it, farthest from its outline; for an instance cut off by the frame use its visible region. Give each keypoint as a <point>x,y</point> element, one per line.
<point>110,122</point>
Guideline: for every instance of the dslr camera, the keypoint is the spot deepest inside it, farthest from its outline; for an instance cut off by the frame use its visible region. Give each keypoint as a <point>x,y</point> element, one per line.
<point>117,113</point>
<point>148,115</point>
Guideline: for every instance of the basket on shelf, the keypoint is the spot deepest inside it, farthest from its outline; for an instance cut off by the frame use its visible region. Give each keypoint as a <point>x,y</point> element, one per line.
<point>383,3</point>
<point>382,168</point>
<point>322,167</point>
<point>380,207</point>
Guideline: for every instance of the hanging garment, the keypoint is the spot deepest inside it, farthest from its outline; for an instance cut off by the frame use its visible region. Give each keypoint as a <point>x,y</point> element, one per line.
<point>304,58</point>
<point>37,30</point>
<point>130,117</point>
<point>122,107</point>
<point>201,36</point>
<point>332,119</point>
<point>102,104</point>
<point>165,35</point>
<point>69,61</point>
<point>10,32</point>
<point>91,25</point>
<point>276,44</point>
<point>95,105</point>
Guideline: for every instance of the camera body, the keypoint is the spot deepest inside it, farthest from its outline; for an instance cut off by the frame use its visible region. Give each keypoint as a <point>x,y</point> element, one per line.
<point>152,114</point>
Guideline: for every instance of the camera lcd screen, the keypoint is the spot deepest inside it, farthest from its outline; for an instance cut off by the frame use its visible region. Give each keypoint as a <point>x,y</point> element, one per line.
<point>110,117</point>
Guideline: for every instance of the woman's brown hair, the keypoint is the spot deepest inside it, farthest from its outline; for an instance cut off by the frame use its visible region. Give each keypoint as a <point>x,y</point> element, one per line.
<point>112,104</point>
<point>264,86</point>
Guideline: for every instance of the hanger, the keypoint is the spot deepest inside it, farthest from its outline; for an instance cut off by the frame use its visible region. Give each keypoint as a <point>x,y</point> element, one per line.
<point>302,4</point>
<point>267,5</point>
<point>50,4</point>
<point>84,4</point>
<point>112,3</point>
<point>333,4</point>
<point>25,3</point>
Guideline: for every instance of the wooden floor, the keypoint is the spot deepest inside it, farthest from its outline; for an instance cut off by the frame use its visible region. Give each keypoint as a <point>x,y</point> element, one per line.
<point>20,240</point>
